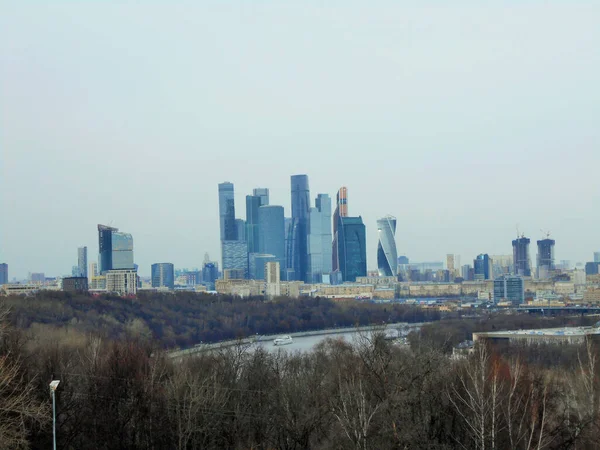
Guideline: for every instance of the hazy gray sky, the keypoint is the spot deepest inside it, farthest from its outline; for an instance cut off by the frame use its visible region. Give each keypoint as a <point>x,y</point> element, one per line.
<point>461,118</point>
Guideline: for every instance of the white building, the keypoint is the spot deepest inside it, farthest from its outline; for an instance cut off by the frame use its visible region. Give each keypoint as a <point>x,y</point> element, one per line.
<point>122,282</point>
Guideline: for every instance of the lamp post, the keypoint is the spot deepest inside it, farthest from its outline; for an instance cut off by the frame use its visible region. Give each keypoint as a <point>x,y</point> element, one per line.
<point>53,387</point>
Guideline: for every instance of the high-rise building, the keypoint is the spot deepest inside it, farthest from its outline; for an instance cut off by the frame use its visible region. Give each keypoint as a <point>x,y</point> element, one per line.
<point>272,278</point>
<point>210,272</point>
<point>227,212</point>
<point>592,268</point>
<point>319,239</point>
<point>115,249</point>
<point>597,257</point>
<point>300,214</point>
<point>93,272</point>
<point>3,273</point>
<point>253,202</point>
<point>37,278</point>
<point>352,251</point>
<point>521,261</point>
<point>545,257</point>
<point>341,210</point>
<point>450,262</point>
<point>288,270</point>
<point>483,267</point>
<point>235,255</point>
<point>465,272</point>
<point>263,193</point>
<point>387,255</point>
<point>509,288</point>
<point>82,261</point>
<point>256,265</point>
<point>163,275</point>
<point>122,281</point>
<point>271,225</point>
<point>241,229</point>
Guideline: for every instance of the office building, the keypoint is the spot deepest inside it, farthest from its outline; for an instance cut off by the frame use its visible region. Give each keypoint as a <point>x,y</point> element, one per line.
<point>253,202</point>
<point>235,255</point>
<point>467,273</point>
<point>509,288</point>
<point>341,210</point>
<point>210,273</point>
<point>403,260</point>
<point>3,273</point>
<point>75,284</point>
<point>271,226</point>
<point>93,272</point>
<point>352,251</point>
<point>387,255</point>
<point>37,278</point>
<point>256,265</point>
<point>483,267</point>
<point>450,262</point>
<point>597,257</point>
<point>545,258</point>
<point>300,213</point>
<point>240,224</point>
<point>263,193</point>
<point>115,249</point>
<point>273,280</point>
<point>82,261</point>
<point>319,239</point>
<point>228,227</point>
<point>163,275</point>
<point>288,270</point>
<point>122,281</point>
<point>521,261</point>
<point>592,268</point>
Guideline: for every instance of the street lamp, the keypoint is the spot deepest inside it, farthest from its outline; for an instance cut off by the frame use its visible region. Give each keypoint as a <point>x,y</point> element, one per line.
<point>53,387</point>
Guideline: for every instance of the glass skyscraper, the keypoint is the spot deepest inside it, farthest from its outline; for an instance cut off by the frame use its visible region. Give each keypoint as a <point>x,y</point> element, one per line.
<point>228,226</point>
<point>482,267</point>
<point>300,212</point>
<point>521,261</point>
<point>271,225</point>
<point>82,262</point>
<point>3,273</point>
<point>163,275</point>
<point>319,239</point>
<point>235,255</point>
<point>256,265</point>
<point>510,288</point>
<point>263,193</point>
<point>545,257</point>
<point>352,250</point>
<point>341,210</point>
<point>115,249</point>
<point>387,255</point>
<point>253,202</point>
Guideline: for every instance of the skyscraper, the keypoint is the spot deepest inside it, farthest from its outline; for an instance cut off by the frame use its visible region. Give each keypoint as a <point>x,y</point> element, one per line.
<point>521,261</point>
<point>210,272</point>
<point>256,265</point>
<point>287,269</point>
<point>227,212</point>
<point>115,249</point>
<point>271,225</point>
<point>163,275</point>
<point>509,288</point>
<point>319,239</point>
<point>597,257</point>
<point>82,261</point>
<point>253,202</point>
<point>545,257</point>
<point>387,255</point>
<point>3,273</point>
<point>352,251</point>
<point>482,267</point>
<point>263,193</point>
<point>235,255</point>
<point>341,210</point>
<point>241,229</point>
<point>300,212</point>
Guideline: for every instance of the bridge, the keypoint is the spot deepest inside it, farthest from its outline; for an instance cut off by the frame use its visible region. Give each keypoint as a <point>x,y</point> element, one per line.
<point>553,310</point>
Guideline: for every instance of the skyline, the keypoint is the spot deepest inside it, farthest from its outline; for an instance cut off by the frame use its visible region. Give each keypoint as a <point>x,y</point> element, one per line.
<point>462,121</point>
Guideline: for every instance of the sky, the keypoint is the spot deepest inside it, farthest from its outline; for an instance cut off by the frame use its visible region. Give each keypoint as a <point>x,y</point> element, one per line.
<point>466,120</point>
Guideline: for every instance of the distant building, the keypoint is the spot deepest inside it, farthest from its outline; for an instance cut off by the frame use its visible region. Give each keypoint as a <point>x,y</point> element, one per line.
<point>387,255</point>
<point>509,288</point>
<point>271,225</point>
<point>241,229</point>
<point>122,281</point>
<point>591,268</point>
<point>482,267</point>
<point>545,257</point>
<point>93,272</point>
<point>300,214</point>
<point>501,265</point>
<point>210,273</point>
<point>98,283</point>
<point>352,252</point>
<point>75,284</point>
<point>467,273</point>
<point>253,202</point>
<point>37,278</point>
<point>235,255</point>
<point>341,210</point>
<point>263,194</point>
<point>521,260</point>
<point>403,260</point>
<point>597,257</point>
<point>319,239</point>
<point>450,262</point>
<point>163,275</point>
<point>3,273</point>
<point>82,261</point>
<point>228,227</point>
<point>273,280</point>
<point>115,249</point>
<point>288,270</point>
<point>256,265</point>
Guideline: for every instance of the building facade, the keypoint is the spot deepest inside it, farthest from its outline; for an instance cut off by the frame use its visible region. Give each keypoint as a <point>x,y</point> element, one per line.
<point>300,213</point>
<point>341,210</point>
<point>253,202</point>
<point>352,251</point>
<point>509,288</point>
<point>482,267</point>
<point>210,273</point>
<point>75,284</point>
<point>235,255</point>
<point>163,275</point>
<point>521,260</point>
<point>387,255</point>
<point>319,239</point>
<point>82,263</point>
<point>228,227</point>
<point>3,273</point>
<point>256,265</point>
<point>545,257</point>
<point>122,282</point>
<point>263,193</point>
<point>271,225</point>
<point>115,249</point>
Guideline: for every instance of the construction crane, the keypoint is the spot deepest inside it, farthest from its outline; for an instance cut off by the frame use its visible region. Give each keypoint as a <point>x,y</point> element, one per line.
<point>546,233</point>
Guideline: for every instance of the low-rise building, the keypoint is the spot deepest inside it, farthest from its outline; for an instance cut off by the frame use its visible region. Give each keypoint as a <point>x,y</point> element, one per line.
<point>122,281</point>
<point>75,284</point>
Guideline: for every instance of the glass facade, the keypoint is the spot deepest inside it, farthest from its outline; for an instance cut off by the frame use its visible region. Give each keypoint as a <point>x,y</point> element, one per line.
<point>122,251</point>
<point>263,193</point>
<point>228,226</point>
<point>256,265</point>
<point>521,261</point>
<point>235,255</point>
<point>545,256</point>
<point>509,288</point>
<point>352,249</point>
<point>253,202</point>
<point>163,275</point>
<point>3,273</point>
<point>82,262</point>
<point>387,255</point>
<point>210,272</point>
<point>319,239</point>
<point>300,213</point>
<point>271,225</point>
<point>482,267</point>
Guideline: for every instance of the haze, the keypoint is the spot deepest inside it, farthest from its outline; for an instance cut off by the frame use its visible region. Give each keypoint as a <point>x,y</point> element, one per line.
<point>462,120</point>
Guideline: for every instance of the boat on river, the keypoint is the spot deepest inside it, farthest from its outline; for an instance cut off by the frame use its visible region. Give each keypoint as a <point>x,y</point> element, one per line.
<point>283,340</point>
